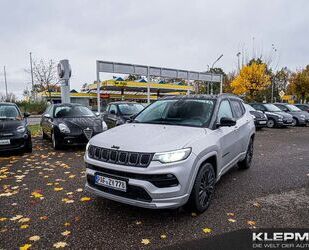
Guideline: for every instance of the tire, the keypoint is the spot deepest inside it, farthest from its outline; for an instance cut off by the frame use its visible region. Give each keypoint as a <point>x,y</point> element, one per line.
<point>28,146</point>
<point>246,163</point>
<point>203,189</point>
<point>55,142</point>
<point>44,136</point>
<point>270,123</point>
<point>295,122</point>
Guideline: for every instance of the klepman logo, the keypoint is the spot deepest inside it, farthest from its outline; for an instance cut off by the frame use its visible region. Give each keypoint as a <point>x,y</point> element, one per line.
<point>280,236</point>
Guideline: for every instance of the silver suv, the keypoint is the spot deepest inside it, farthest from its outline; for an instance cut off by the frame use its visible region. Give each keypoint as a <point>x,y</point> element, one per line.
<point>172,153</point>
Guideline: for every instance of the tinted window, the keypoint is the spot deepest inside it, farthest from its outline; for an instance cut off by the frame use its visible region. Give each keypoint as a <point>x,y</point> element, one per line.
<point>258,107</point>
<point>272,107</point>
<point>238,108</point>
<point>9,112</point>
<point>130,108</point>
<point>225,110</point>
<point>72,111</point>
<point>186,112</point>
<point>112,107</point>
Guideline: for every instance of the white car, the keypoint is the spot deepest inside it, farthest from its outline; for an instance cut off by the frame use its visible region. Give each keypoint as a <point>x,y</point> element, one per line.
<point>172,153</point>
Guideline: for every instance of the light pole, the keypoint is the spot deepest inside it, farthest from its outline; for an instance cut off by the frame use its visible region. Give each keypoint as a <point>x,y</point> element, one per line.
<point>31,69</point>
<point>6,85</point>
<point>212,66</point>
<point>238,63</point>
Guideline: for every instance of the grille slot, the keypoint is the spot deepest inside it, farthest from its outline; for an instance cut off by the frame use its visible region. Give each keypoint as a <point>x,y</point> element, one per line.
<point>120,157</point>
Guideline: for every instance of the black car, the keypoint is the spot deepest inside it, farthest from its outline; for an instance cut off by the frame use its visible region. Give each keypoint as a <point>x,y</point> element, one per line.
<point>303,107</point>
<point>118,113</point>
<point>70,124</point>
<point>260,119</point>
<point>14,133</point>
<point>276,117</point>
<point>300,118</point>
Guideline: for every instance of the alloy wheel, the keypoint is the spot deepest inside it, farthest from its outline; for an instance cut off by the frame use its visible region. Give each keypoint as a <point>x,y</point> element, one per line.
<point>206,188</point>
<point>270,123</point>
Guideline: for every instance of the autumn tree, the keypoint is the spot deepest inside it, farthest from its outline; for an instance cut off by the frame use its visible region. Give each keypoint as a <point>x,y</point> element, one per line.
<point>299,84</point>
<point>251,79</point>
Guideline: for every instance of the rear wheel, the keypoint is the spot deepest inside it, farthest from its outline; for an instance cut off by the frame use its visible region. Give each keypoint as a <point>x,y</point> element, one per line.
<point>246,163</point>
<point>270,123</point>
<point>203,189</point>
<point>55,141</point>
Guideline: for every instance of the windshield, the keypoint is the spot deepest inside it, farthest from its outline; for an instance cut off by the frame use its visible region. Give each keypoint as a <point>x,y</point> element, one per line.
<point>272,108</point>
<point>9,112</point>
<point>72,111</point>
<point>130,108</point>
<point>185,112</point>
<point>292,108</point>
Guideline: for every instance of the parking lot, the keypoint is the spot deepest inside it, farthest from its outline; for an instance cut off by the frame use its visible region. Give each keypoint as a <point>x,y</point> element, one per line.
<point>43,203</point>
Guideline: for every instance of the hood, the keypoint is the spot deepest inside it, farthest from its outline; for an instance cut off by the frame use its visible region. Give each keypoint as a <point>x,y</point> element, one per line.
<point>11,125</point>
<point>77,124</point>
<point>284,114</point>
<point>148,138</point>
<point>257,114</point>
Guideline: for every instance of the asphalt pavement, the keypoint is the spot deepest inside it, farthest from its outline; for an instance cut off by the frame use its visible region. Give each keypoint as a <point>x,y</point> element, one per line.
<point>43,204</point>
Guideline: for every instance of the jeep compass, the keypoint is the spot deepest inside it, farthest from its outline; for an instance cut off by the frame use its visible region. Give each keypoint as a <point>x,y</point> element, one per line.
<point>172,153</point>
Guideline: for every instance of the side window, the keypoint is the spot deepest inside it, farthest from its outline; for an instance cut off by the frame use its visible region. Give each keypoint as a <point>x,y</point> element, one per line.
<point>224,110</point>
<point>50,111</point>
<point>47,110</point>
<point>237,108</point>
<point>112,107</point>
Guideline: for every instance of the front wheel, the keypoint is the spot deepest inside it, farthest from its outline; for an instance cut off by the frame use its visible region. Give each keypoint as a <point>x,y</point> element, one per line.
<point>295,122</point>
<point>55,141</point>
<point>203,189</point>
<point>270,123</point>
<point>246,163</point>
<point>28,146</point>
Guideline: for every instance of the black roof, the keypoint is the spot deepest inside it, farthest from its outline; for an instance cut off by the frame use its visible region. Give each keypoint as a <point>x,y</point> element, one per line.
<point>67,104</point>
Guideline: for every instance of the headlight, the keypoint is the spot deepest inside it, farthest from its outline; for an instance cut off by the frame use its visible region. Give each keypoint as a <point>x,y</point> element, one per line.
<point>21,129</point>
<point>104,126</point>
<point>64,128</point>
<point>172,156</point>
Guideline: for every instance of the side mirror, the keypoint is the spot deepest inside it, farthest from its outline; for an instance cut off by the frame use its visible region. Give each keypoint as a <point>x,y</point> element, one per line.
<point>26,114</point>
<point>47,116</point>
<point>112,112</point>
<point>97,114</point>
<point>226,122</point>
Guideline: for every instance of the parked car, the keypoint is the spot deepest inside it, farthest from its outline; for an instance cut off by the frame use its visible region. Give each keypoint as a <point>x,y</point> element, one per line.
<point>172,153</point>
<point>118,113</point>
<point>260,119</point>
<point>70,124</point>
<point>300,118</point>
<point>276,117</point>
<point>14,133</point>
<point>303,107</point>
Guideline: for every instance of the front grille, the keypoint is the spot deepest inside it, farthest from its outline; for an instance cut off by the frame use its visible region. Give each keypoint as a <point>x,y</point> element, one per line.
<point>88,133</point>
<point>133,192</point>
<point>120,157</point>
<point>158,180</point>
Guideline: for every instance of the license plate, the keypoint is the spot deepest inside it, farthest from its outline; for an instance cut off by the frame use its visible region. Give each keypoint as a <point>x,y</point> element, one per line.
<point>262,122</point>
<point>5,142</point>
<point>111,183</point>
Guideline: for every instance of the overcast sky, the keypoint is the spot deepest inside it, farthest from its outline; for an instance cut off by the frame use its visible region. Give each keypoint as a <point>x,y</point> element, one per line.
<point>186,34</point>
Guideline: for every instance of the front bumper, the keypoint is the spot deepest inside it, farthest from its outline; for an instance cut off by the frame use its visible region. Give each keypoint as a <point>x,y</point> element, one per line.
<point>143,192</point>
<point>260,122</point>
<point>17,142</point>
<point>74,139</point>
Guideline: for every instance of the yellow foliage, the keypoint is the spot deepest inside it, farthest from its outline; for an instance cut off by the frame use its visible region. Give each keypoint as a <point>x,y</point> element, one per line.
<point>251,79</point>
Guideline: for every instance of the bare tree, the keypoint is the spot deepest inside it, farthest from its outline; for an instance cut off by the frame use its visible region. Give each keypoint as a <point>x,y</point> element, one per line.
<point>10,98</point>
<point>45,76</point>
